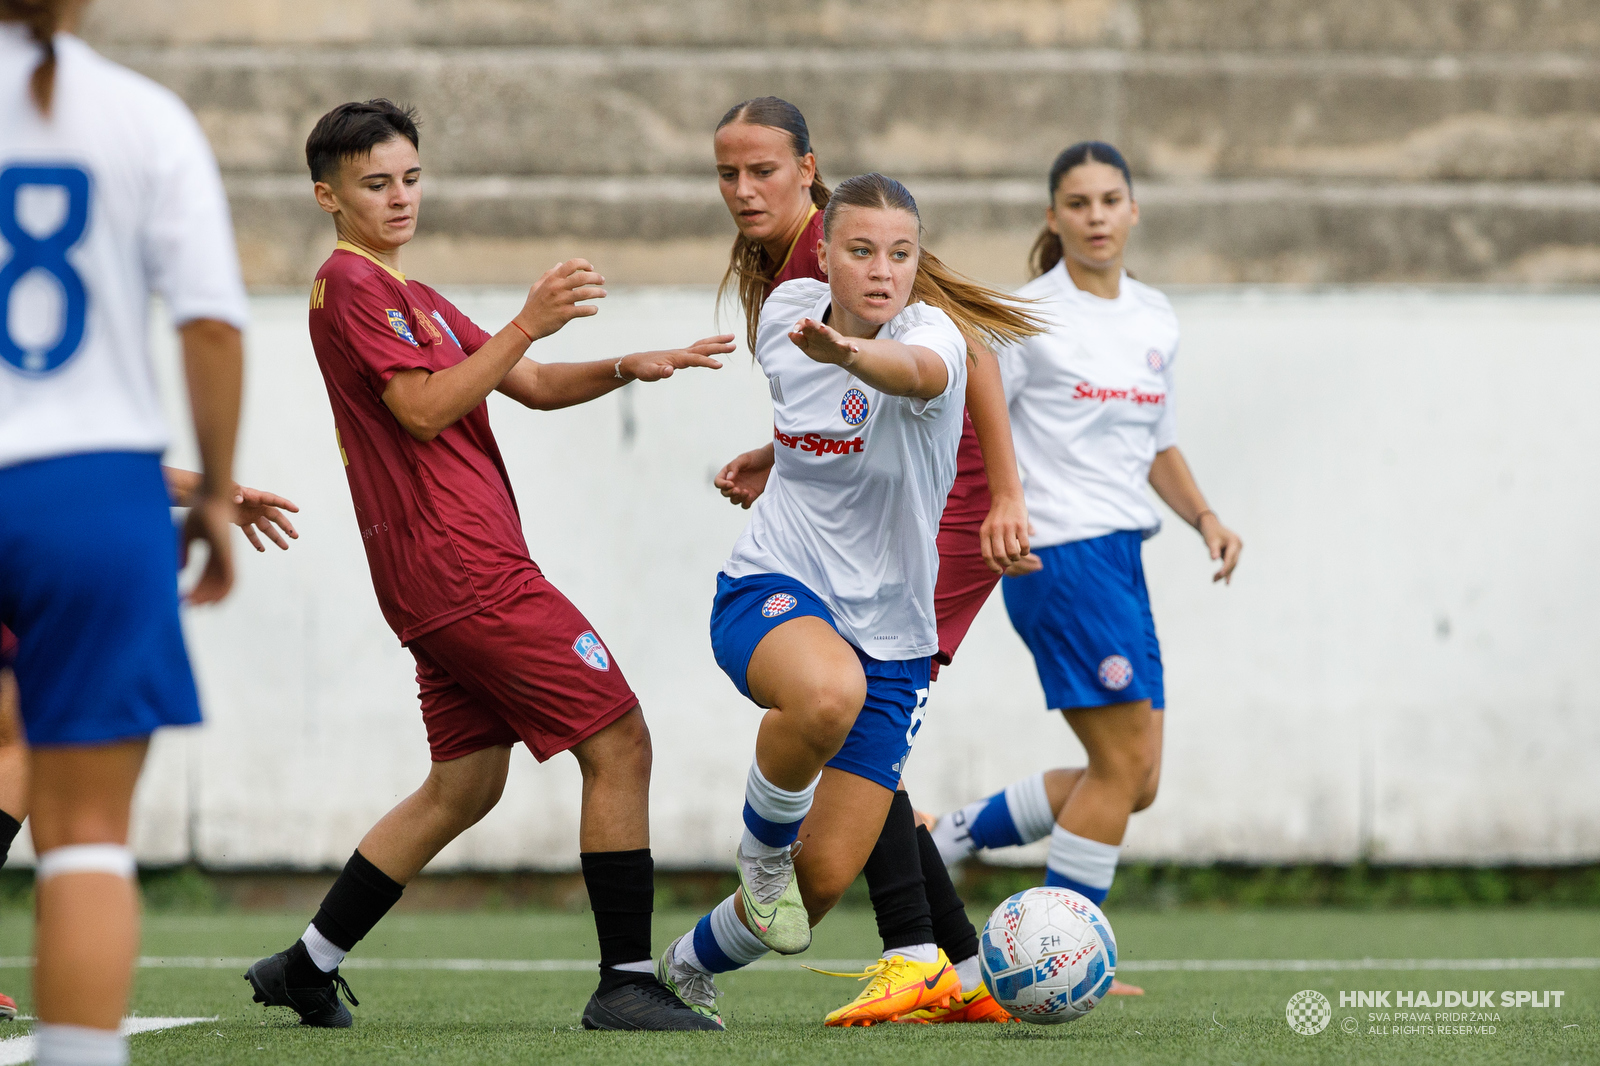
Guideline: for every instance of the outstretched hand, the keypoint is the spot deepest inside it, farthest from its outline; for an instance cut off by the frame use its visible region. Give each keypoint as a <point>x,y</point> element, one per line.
<point>257,510</point>
<point>823,343</point>
<point>555,298</point>
<point>653,366</point>
<point>744,480</point>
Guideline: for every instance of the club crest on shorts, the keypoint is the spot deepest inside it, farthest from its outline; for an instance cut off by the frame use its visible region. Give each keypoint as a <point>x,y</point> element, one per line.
<point>591,651</point>
<point>853,408</point>
<point>397,322</point>
<point>778,603</point>
<point>1116,673</point>
<point>1153,357</point>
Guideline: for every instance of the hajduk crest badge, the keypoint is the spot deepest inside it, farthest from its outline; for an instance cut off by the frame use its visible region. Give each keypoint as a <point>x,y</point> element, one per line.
<point>1116,673</point>
<point>591,651</point>
<point>778,603</point>
<point>853,408</point>
<point>397,322</point>
<point>1154,358</point>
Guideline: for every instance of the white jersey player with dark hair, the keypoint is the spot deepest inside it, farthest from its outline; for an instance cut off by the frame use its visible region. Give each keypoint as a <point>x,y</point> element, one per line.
<point>108,193</point>
<point>1092,417</point>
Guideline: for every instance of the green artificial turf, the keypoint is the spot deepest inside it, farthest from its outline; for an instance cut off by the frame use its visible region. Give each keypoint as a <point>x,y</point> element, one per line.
<point>450,1017</point>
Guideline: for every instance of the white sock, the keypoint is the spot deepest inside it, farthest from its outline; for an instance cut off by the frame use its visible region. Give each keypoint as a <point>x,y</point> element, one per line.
<point>1029,804</point>
<point>77,1045</point>
<point>923,953</point>
<point>324,952</point>
<point>752,846</point>
<point>772,815</point>
<point>1082,861</point>
<point>642,966</point>
<point>971,976</point>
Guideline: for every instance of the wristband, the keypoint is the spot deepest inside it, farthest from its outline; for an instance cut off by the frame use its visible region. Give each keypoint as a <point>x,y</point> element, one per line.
<point>522,331</point>
<point>1201,515</point>
<point>618,369</point>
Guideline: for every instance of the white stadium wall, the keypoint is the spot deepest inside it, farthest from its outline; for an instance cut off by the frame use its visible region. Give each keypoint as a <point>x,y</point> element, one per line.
<point>1404,669</point>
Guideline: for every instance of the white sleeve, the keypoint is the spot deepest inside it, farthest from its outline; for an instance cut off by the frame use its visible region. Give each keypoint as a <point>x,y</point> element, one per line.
<point>1167,425</point>
<point>186,239</point>
<point>939,335</point>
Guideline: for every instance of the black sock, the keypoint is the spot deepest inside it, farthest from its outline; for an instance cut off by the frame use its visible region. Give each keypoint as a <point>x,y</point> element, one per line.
<point>952,929</point>
<point>894,880</point>
<point>360,897</point>
<point>622,894</point>
<point>9,828</point>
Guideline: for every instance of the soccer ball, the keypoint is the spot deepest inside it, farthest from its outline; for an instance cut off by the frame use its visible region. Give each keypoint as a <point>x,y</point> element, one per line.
<point>1048,955</point>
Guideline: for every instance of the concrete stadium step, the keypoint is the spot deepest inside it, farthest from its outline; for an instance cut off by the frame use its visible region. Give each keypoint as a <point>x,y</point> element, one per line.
<point>651,230</point>
<point>966,112</point>
<point>1429,26</point>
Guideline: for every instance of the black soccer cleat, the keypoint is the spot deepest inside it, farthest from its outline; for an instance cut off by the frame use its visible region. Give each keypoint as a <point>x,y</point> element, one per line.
<point>290,979</point>
<point>644,1005</point>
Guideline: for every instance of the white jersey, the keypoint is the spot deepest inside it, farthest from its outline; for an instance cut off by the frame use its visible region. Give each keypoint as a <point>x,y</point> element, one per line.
<point>113,197</point>
<point>1091,405</point>
<point>852,507</point>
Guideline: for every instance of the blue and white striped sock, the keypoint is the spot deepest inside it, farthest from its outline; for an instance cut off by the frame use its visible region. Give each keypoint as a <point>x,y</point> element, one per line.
<point>772,815</point>
<point>1083,865</point>
<point>1018,814</point>
<point>720,942</point>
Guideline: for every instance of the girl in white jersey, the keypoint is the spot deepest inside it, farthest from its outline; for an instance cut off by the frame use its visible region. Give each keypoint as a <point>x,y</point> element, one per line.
<point>1091,413</point>
<point>108,192</point>
<point>824,612</point>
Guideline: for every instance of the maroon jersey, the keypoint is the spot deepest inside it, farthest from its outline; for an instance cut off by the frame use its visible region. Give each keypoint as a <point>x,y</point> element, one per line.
<point>802,259</point>
<point>8,648</point>
<point>438,519</point>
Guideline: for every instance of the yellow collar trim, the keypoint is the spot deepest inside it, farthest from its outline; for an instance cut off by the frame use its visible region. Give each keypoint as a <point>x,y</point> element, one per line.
<point>346,246</point>
<point>796,242</point>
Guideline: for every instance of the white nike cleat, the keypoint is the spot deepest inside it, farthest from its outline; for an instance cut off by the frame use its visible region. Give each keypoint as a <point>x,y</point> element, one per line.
<point>953,834</point>
<point>772,903</point>
<point>695,987</point>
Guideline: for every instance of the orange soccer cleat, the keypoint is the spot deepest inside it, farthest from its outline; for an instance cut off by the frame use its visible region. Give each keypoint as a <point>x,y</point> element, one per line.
<point>975,1006</point>
<point>8,1008</point>
<point>897,985</point>
<point>1119,989</point>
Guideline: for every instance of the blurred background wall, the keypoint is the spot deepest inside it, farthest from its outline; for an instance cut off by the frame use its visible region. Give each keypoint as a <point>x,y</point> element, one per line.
<point>1405,669</point>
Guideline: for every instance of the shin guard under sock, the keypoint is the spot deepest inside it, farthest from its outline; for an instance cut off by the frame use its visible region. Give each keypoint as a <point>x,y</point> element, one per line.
<point>622,894</point>
<point>357,901</point>
<point>895,881</point>
<point>952,929</point>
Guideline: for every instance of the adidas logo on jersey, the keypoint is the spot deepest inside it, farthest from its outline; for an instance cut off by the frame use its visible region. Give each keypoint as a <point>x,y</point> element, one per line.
<point>817,443</point>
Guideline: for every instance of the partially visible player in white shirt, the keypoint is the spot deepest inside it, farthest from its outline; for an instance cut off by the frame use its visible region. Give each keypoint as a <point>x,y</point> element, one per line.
<point>824,613</point>
<point>1091,402</point>
<point>108,193</point>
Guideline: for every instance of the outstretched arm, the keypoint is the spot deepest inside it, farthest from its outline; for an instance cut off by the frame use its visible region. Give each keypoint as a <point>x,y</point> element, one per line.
<point>1004,535</point>
<point>427,403</point>
<point>888,366</point>
<point>551,386</point>
<point>1170,477</point>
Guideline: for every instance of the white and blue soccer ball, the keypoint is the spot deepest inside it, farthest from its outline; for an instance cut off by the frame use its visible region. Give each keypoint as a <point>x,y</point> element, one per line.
<point>1048,955</point>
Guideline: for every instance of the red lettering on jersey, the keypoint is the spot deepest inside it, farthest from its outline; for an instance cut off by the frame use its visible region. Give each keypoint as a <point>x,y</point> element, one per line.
<point>817,444</point>
<point>1086,391</point>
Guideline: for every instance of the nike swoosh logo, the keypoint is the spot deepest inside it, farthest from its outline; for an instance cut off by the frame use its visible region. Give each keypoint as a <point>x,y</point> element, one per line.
<point>753,911</point>
<point>930,982</point>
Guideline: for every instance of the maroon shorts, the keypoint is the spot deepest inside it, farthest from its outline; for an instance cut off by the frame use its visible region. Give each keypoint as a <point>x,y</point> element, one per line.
<point>965,582</point>
<point>527,668</point>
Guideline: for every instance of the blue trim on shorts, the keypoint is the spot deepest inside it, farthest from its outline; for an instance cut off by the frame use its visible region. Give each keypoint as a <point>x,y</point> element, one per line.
<point>747,608</point>
<point>1086,619</point>
<point>89,584</point>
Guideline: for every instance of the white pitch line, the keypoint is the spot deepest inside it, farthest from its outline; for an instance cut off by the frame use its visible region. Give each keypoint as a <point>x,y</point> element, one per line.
<point>210,962</point>
<point>15,1050</point>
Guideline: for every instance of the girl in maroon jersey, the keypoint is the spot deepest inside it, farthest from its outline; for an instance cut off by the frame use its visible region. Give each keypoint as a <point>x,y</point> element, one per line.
<point>768,176</point>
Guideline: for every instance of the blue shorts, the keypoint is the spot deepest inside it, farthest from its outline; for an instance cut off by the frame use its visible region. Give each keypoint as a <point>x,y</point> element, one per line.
<point>1086,618</point>
<point>879,745</point>
<point>89,584</point>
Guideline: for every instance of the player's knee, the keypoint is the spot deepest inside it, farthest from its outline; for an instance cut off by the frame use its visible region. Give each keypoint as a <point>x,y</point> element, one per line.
<point>830,704</point>
<point>1147,794</point>
<point>1127,769</point>
<point>622,749</point>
